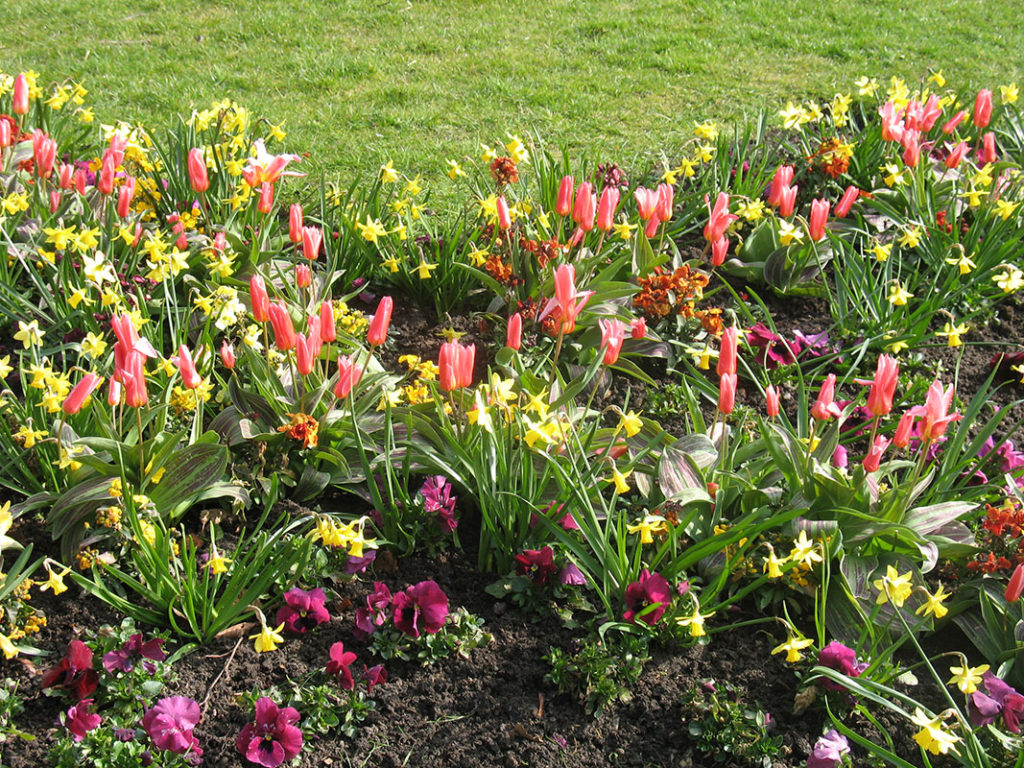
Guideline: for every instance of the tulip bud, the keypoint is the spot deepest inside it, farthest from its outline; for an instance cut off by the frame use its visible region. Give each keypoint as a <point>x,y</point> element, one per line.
<point>771,398</point>
<point>787,201</point>
<point>227,355</point>
<point>956,155</point>
<point>719,250</point>
<point>81,180</point>
<point>818,219</point>
<point>284,331</point>
<point>727,354</point>
<point>638,327</point>
<point>303,277</point>
<point>983,108</point>
<point>197,175</point>
<point>846,202</point>
<point>883,388</point>
<point>80,392</point>
<point>295,223</point>
<point>303,355</point>
<point>606,208</point>
<point>328,328</point>
<point>1016,586</point>
<point>987,153</point>
<point>874,458</point>
<point>66,173</point>
<point>312,237</point>
<point>902,437</point>
<point>781,180</point>
<point>125,195</point>
<point>266,201</point>
<point>19,99</point>
<point>666,198</point>
<point>377,333</point>
<point>190,378</point>
<point>504,217</point>
<point>260,300</point>
<point>646,201</point>
<point>825,406</point>
<point>583,210</point>
<point>726,393</point>
<point>514,332</point>
<point>564,202</point>
<point>613,333</point>
<point>220,242</point>
<point>952,124</point>
<point>105,179</point>
<point>348,376</point>
<point>5,134</point>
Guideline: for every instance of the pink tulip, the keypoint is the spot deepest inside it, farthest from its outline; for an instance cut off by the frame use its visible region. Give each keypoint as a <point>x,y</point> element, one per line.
<point>266,200</point>
<point>982,108</point>
<point>303,355</point>
<point>125,195</point>
<point>781,180</point>
<point>115,391</point>
<point>638,327</point>
<point>227,355</point>
<point>613,333</point>
<point>987,153</point>
<point>55,197</point>
<point>5,134</point>
<point>892,125</point>
<point>77,396</point>
<point>719,218</point>
<point>727,393</point>
<point>787,201</point>
<point>504,217</point>
<point>874,458</point>
<point>954,122</point>
<point>81,179</point>
<point>328,328</point>
<point>105,178</point>
<point>902,437</point>
<point>312,238</point>
<point>19,98</point>
<point>956,155</point>
<point>846,202</point>
<point>44,153</point>
<point>825,406</point>
<point>197,175</point>
<point>935,412</point>
<point>316,343</point>
<point>303,277</point>
<point>295,223</point>
<point>118,144</point>
<point>583,210</point>
<point>455,365</point>
<point>606,208</point>
<point>1016,586</point>
<point>348,376</point>
<point>666,199</point>
<point>220,242</point>
<point>190,378</point>
<point>883,388</point>
<point>647,202</point>
<point>771,401</point>
<point>930,113</point>
<point>719,250</point>
<point>259,298</point>
<point>563,204</point>
<point>566,299</point>
<point>66,173</point>
<point>514,332</point>
<point>652,227</point>
<point>284,331</point>
<point>911,142</point>
<point>377,333</point>
<point>818,219</point>
<point>727,354</point>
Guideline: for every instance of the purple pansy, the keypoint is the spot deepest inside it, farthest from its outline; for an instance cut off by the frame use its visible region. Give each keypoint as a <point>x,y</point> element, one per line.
<point>421,607</point>
<point>273,737</point>
<point>170,722</point>
<point>303,610</point>
<point>652,589</point>
<point>133,650</point>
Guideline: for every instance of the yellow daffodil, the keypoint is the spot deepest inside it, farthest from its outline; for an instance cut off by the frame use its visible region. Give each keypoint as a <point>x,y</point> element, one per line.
<point>1010,280</point>
<point>268,639</point>
<point>893,586</point>
<point>910,238</point>
<point>964,263</point>
<point>647,527</point>
<point>881,252</point>
<point>29,334</point>
<point>772,565</point>
<point>792,647</point>
<point>933,736</point>
<point>5,367</point>
<point>1005,209</point>
<point>10,649</point>
<point>789,233</point>
<point>372,230</point>
<point>893,174</point>
<point>632,423</point>
<point>967,678</point>
<point>706,130</point>
<point>805,550</point>
<point>933,604</point>
<point>619,478</point>
<point>55,582</point>
<point>695,622</point>
<point>866,86</point>
<point>218,564</point>
<point>454,170</point>
<point>388,174</point>
<point>953,333</point>
<point>423,270</point>
<point>1009,93</point>
<point>624,229</point>
<point>898,295</point>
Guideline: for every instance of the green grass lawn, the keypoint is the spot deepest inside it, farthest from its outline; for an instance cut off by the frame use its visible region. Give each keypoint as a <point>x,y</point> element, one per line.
<point>361,81</point>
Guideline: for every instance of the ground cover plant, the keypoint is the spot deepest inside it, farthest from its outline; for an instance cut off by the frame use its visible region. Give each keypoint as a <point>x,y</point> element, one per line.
<point>616,419</point>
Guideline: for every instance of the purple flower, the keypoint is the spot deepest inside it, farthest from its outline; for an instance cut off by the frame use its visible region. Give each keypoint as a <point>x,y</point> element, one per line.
<point>375,612</point>
<point>438,500</point>
<point>572,576</point>
<point>1001,700</point>
<point>303,610</point>
<point>538,564</point>
<point>74,672</point>
<point>422,606</point>
<point>842,659</point>
<point>339,664</point>
<point>125,658</point>
<point>170,722</point>
<point>816,343</point>
<point>360,564</point>
<point>828,750</point>
<point>375,675</point>
<point>273,738</point>
<point>773,350</point>
<point>79,720</point>
<point>651,590</point>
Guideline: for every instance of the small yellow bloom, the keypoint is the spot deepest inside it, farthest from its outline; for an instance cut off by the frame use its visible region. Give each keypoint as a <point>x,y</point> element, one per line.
<point>454,170</point>
<point>866,86</point>
<point>423,270</point>
<point>388,174</point>
<point>619,478</point>
<point>1010,280</point>
<point>790,233</point>
<point>933,604</point>
<point>953,333</point>
<point>792,647</point>
<point>910,238</point>
<point>1009,93</point>
<point>881,252</point>
<point>624,230</point>
<point>5,367</point>
<point>218,564</point>
<point>963,263</point>
<point>372,230</point>
<point>898,295</point>
<point>933,735</point>
<point>894,586</point>
<point>695,622</point>
<point>772,565</point>
<point>938,79</point>
<point>55,582</point>
<point>805,550</point>
<point>648,526</point>
<point>29,334</point>
<point>1005,209</point>
<point>10,649</point>
<point>967,678</point>
<point>632,423</point>
<point>268,639</point>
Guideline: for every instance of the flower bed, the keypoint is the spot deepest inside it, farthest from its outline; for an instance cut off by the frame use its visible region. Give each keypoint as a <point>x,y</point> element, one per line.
<point>767,394</point>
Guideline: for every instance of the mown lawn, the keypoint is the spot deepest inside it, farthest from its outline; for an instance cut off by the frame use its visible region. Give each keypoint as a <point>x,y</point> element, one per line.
<point>361,81</point>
